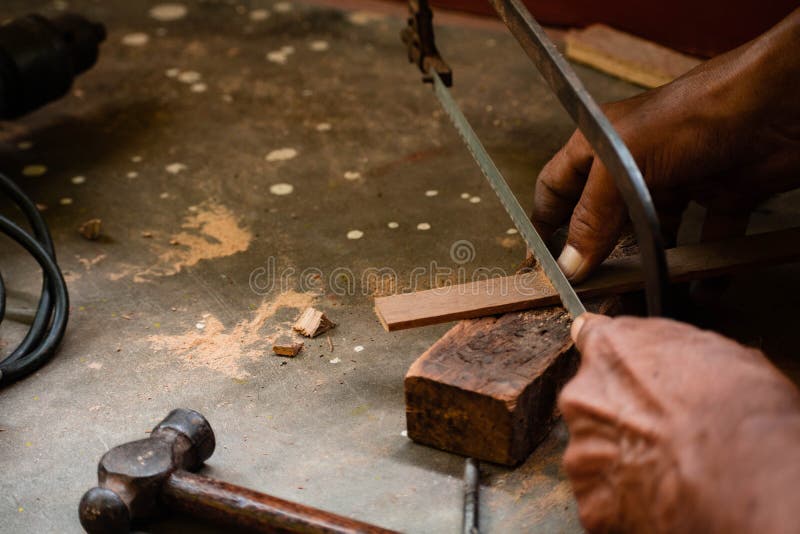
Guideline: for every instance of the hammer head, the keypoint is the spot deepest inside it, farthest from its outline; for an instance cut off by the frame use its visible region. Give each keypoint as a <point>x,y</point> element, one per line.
<point>130,475</point>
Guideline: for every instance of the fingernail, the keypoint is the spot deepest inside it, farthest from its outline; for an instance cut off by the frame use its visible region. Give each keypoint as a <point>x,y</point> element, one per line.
<point>576,327</point>
<point>570,261</point>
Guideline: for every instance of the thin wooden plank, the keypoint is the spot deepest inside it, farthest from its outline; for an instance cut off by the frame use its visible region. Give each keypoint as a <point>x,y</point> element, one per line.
<point>621,275</point>
<point>626,56</point>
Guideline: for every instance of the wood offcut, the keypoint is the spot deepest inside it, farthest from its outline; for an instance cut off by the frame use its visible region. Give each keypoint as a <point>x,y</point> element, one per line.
<point>286,346</point>
<point>312,323</point>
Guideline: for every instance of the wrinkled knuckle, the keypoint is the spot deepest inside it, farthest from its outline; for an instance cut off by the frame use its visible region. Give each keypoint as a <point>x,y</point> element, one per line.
<point>586,221</point>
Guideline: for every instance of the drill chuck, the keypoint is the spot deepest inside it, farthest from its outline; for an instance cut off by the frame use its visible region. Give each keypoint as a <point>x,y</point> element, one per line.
<point>40,57</point>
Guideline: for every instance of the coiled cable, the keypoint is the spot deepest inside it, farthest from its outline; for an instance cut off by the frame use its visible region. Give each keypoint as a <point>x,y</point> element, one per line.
<point>50,321</point>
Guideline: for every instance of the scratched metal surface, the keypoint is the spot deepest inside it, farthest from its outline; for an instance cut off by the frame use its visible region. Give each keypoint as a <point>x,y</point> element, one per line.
<point>157,325</point>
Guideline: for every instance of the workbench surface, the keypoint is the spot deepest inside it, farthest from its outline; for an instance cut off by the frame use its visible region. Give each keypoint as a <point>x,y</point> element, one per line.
<point>247,159</point>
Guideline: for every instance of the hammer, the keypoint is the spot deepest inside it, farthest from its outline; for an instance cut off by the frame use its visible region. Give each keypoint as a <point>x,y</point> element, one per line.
<point>136,479</point>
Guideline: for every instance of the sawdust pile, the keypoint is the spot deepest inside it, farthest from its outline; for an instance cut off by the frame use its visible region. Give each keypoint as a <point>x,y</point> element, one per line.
<point>226,350</point>
<point>210,231</point>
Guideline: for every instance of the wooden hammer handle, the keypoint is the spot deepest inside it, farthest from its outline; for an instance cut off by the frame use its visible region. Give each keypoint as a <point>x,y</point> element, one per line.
<point>250,510</point>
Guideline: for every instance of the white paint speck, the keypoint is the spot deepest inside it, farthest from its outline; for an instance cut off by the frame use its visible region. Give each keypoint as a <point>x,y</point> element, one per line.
<point>465,196</point>
<point>423,226</point>
<point>168,12</point>
<point>136,39</point>
<point>362,18</point>
<point>189,76</point>
<point>65,201</point>
<point>163,196</point>
<point>352,175</point>
<point>355,234</point>
<point>175,168</point>
<point>199,87</point>
<point>132,174</point>
<point>24,145</point>
<point>404,433</point>
<point>258,15</point>
<point>474,200</point>
<point>335,360</point>
<point>95,365</point>
<point>393,225</point>
<point>281,154</point>
<point>277,57</point>
<point>78,180</point>
<point>200,326</point>
<point>431,193</point>
<point>172,73</point>
<point>34,170</point>
<point>511,231</point>
<point>282,7</point>
<point>323,127</point>
<point>281,189</point>
<point>358,348</point>
<point>318,46</point>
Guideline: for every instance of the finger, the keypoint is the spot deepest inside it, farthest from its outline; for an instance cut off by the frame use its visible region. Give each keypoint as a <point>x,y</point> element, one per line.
<point>560,184</point>
<point>597,507</point>
<point>585,320</point>
<point>670,208</point>
<point>596,224</point>
<point>724,220</point>
<point>591,456</point>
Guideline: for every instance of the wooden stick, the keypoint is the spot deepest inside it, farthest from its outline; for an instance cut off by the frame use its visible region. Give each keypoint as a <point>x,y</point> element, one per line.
<point>626,56</point>
<point>622,275</point>
<point>249,510</point>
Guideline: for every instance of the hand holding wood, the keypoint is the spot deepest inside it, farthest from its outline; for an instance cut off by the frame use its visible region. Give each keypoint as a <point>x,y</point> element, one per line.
<point>676,429</point>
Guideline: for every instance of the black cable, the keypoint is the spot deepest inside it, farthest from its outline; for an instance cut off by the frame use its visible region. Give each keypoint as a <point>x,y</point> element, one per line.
<point>50,321</point>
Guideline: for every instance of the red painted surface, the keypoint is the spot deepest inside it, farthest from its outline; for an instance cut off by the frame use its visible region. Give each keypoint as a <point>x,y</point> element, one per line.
<point>699,27</point>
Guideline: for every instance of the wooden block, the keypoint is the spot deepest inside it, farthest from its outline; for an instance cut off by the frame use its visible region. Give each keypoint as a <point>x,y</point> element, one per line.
<point>626,56</point>
<point>312,323</point>
<point>615,276</point>
<point>286,346</point>
<point>488,388</point>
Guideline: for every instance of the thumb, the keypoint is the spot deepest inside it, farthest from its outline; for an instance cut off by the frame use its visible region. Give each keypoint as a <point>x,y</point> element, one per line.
<point>583,323</point>
<point>595,225</point>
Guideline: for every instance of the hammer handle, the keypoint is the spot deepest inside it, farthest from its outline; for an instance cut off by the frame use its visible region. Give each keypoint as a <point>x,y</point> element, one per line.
<point>250,510</point>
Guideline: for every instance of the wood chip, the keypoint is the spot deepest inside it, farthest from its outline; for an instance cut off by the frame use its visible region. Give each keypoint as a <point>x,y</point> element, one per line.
<point>286,346</point>
<point>91,229</point>
<point>312,323</point>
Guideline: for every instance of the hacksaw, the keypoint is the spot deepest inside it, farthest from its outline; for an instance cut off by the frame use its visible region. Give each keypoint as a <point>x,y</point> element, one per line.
<point>590,120</point>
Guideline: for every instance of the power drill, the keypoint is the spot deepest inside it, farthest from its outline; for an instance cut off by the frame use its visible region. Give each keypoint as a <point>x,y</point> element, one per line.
<point>40,57</point>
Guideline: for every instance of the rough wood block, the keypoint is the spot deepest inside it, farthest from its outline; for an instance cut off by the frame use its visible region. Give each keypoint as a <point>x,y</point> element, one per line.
<point>487,389</point>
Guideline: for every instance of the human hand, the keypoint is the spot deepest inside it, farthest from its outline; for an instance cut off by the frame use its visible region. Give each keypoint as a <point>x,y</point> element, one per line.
<point>726,134</point>
<point>675,429</point>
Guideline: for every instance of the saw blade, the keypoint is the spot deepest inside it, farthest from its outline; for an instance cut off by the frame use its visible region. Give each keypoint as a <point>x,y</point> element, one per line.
<point>532,238</point>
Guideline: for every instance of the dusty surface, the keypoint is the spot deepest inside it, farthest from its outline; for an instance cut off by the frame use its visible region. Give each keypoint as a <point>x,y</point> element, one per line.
<point>248,160</point>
